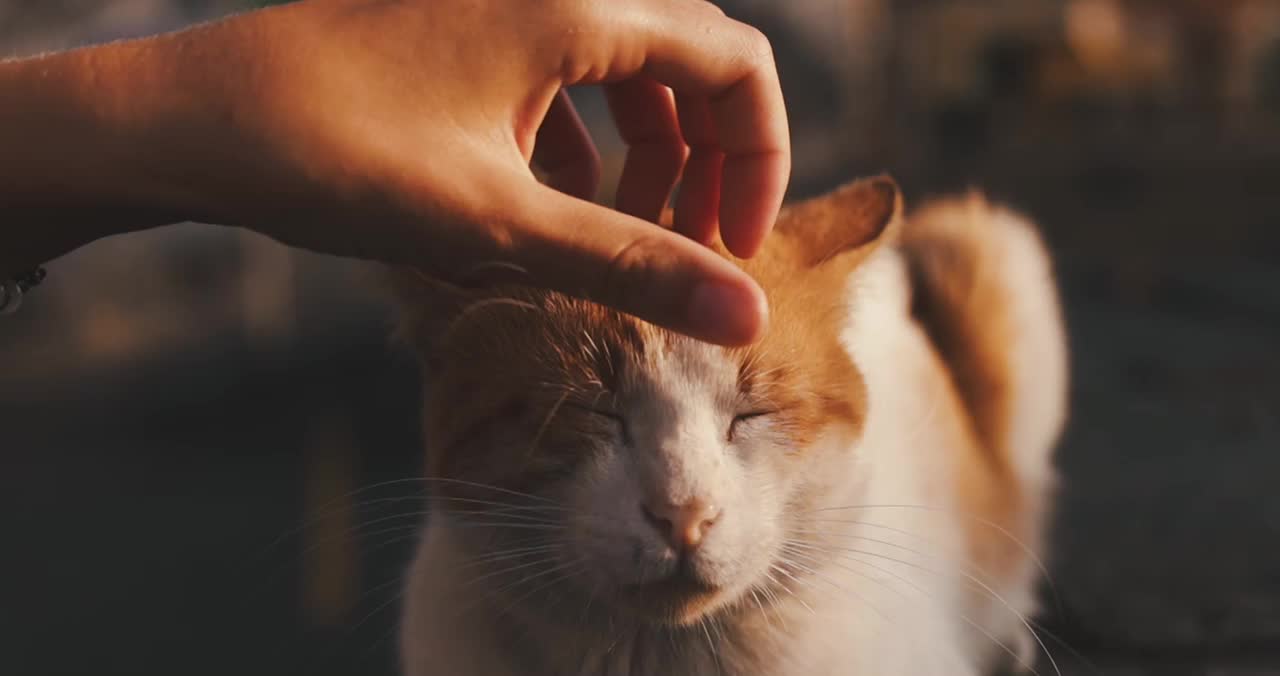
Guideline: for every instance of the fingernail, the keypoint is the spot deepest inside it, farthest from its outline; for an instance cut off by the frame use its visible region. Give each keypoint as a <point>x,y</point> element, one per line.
<point>728,313</point>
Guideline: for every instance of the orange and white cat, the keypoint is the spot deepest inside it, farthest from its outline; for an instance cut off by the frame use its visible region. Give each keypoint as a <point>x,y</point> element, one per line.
<point>861,493</point>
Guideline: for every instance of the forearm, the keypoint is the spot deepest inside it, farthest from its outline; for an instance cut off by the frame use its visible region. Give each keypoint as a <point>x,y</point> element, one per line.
<point>75,163</point>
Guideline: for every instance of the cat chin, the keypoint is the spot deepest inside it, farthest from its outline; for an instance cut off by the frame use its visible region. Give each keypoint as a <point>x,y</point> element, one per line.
<point>684,611</point>
<point>677,602</point>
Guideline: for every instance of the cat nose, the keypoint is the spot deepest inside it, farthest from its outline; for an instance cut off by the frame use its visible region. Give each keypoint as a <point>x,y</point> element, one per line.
<point>684,525</point>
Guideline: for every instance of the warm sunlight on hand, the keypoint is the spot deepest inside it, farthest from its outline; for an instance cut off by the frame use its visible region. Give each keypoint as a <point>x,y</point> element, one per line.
<point>404,131</point>
<point>460,97</point>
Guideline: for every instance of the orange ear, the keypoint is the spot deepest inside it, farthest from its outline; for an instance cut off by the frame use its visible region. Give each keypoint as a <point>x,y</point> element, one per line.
<point>854,218</point>
<point>427,306</point>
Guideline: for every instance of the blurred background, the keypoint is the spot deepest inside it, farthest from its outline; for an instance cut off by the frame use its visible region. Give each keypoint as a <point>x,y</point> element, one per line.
<point>185,413</point>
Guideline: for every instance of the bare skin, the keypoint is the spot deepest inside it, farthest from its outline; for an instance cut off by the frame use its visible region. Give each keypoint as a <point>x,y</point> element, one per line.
<point>403,131</point>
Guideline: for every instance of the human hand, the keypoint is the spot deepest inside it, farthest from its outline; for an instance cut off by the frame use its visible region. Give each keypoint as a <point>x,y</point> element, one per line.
<point>403,131</point>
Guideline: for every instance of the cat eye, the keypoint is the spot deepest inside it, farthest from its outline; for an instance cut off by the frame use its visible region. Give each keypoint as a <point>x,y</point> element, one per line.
<point>616,419</point>
<point>743,418</point>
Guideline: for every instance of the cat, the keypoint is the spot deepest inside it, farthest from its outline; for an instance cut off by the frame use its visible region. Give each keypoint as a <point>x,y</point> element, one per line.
<point>863,492</point>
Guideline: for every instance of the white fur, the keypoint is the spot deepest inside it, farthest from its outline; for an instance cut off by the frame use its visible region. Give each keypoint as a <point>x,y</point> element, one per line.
<point>1037,357</point>
<point>1038,350</point>
<point>897,601</point>
<point>906,456</point>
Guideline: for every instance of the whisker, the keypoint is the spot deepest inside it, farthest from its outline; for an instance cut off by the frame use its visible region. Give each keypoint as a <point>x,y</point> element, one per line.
<point>1023,546</point>
<point>500,514</point>
<point>382,531</point>
<point>512,569</point>
<point>878,541</point>
<point>321,512</point>
<point>494,503</point>
<point>755,596</point>
<point>1086,662</point>
<point>498,489</point>
<point>879,526</point>
<point>775,603</point>
<point>794,595</point>
<point>386,636</point>
<point>546,423</point>
<point>826,578</point>
<point>361,505</point>
<point>391,541</point>
<point>273,577</point>
<point>508,555</point>
<point>937,603</point>
<point>973,569</point>
<point>381,607</point>
<point>985,587</point>
<point>508,525</point>
<point>515,550</point>
<point>326,508</point>
<point>379,587</point>
<point>880,583</point>
<point>530,578</point>
<point>715,655</point>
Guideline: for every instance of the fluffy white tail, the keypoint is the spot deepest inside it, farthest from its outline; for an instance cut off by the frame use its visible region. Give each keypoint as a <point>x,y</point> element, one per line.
<point>983,288</point>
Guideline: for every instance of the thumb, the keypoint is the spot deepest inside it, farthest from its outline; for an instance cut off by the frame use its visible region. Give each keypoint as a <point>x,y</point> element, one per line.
<point>599,254</point>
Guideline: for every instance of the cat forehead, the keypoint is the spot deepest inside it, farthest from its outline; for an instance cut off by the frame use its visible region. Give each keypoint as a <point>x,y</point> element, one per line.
<point>548,336</point>
<point>682,369</point>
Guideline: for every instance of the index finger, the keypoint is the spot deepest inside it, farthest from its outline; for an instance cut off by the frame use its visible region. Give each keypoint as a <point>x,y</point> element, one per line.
<point>701,53</point>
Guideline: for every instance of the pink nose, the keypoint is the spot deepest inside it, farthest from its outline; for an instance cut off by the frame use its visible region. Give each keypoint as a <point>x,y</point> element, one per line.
<point>683,526</point>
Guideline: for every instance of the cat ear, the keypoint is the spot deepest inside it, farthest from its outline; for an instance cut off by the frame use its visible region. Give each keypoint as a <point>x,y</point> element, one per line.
<point>427,306</point>
<point>855,218</point>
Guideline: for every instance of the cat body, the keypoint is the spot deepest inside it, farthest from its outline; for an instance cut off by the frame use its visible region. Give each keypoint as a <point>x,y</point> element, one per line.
<point>862,493</point>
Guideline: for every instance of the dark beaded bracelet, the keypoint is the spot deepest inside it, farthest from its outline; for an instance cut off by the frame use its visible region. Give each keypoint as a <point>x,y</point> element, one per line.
<point>12,291</point>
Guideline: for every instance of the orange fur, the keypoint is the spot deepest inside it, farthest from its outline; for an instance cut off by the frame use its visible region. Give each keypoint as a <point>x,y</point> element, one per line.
<point>528,394</point>
<point>962,299</point>
<point>799,368</point>
<point>963,309</point>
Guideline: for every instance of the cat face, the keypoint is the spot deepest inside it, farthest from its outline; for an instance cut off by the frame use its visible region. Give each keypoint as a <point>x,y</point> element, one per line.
<point>583,454</point>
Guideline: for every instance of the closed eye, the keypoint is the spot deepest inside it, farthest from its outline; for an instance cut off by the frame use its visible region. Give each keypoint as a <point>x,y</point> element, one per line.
<point>615,418</point>
<point>744,418</point>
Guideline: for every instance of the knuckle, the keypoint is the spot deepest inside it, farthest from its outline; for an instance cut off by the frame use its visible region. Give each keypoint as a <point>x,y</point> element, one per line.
<point>681,155</point>
<point>756,48</point>
<point>670,156</point>
<point>711,7</point>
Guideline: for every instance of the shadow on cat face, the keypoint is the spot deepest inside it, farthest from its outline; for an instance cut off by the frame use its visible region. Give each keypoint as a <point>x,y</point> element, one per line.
<point>583,454</point>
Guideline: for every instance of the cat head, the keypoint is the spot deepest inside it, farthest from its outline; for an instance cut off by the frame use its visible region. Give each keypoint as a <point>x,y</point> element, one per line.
<point>585,453</point>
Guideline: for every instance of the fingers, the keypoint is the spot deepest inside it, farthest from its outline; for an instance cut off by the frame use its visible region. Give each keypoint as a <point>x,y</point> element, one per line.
<point>645,113</point>
<point>735,74</point>
<point>564,150</point>
<point>705,56</point>
<point>592,252</point>
<point>697,208</point>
